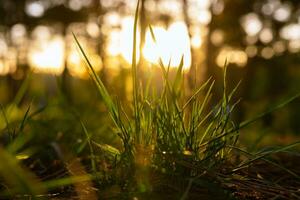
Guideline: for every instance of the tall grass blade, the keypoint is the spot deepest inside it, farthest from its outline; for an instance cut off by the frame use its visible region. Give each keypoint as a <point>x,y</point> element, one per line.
<point>274,108</point>
<point>152,34</point>
<point>179,76</point>
<point>203,86</point>
<point>22,125</point>
<point>135,75</point>
<point>101,88</point>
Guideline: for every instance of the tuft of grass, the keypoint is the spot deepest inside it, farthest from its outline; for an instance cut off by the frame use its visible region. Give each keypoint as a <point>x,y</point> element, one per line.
<point>176,133</point>
<point>162,127</point>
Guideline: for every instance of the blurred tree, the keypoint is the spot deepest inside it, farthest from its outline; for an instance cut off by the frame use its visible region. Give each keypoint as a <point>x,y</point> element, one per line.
<point>54,12</point>
<point>262,30</point>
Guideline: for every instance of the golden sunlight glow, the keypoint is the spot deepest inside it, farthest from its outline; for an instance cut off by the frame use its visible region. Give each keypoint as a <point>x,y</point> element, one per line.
<point>4,68</point>
<point>233,56</point>
<point>113,46</point>
<point>171,44</point>
<point>47,53</point>
<point>9,63</point>
<point>47,56</point>
<point>196,41</point>
<point>126,39</point>
<point>76,64</point>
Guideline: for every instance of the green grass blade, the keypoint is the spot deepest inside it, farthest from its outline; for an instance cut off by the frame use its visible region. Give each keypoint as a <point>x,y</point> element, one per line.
<point>135,75</point>
<point>248,122</point>
<point>22,91</point>
<point>22,125</point>
<point>6,121</point>
<point>254,157</point>
<point>196,93</point>
<point>205,101</point>
<point>152,34</point>
<point>101,88</point>
<point>179,76</point>
<point>276,107</point>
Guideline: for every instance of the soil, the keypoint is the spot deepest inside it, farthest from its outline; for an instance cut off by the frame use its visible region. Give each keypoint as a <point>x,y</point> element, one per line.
<point>261,180</point>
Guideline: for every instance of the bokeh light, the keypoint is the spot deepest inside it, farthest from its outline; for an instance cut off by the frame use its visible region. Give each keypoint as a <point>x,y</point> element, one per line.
<point>47,56</point>
<point>266,35</point>
<point>35,8</point>
<point>251,24</point>
<point>290,32</point>
<point>75,62</point>
<point>283,12</point>
<point>267,52</point>
<point>234,56</point>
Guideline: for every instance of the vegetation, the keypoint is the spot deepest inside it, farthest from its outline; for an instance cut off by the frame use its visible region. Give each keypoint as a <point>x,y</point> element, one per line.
<point>170,140</point>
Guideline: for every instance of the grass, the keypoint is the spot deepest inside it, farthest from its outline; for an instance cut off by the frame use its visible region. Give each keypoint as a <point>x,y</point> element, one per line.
<point>170,141</point>
<point>163,124</point>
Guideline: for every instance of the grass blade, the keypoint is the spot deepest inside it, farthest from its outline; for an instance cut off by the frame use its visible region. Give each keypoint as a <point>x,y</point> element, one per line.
<point>101,88</point>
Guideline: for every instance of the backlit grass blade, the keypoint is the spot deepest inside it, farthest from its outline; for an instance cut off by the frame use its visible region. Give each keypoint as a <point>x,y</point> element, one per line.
<point>101,88</point>
<point>205,101</point>
<point>152,34</point>
<point>225,97</point>
<point>234,91</point>
<point>250,121</point>
<point>22,91</point>
<point>20,94</point>
<point>135,75</point>
<point>274,108</point>
<point>179,76</point>
<point>196,93</point>
<point>255,157</point>
<point>22,125</point>
<point>6,121</point>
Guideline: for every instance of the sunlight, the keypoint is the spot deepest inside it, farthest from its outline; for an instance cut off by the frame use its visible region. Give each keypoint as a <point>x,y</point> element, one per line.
<point>8,56</point>
<point>171,44</point>
<point>233,56</point>
<point>93,29</point>
<point>76,65</point>
<point>48,56</point>
<point>126,39</point>
<point>4,68</point>
<point>113,46</point>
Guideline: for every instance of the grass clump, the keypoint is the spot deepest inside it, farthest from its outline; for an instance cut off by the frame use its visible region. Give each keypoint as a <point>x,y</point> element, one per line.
<point>168,131</point>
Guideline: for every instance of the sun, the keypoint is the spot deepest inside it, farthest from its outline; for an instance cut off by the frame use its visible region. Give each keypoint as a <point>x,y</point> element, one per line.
<point>171,43</point>
<point>48,57</point>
